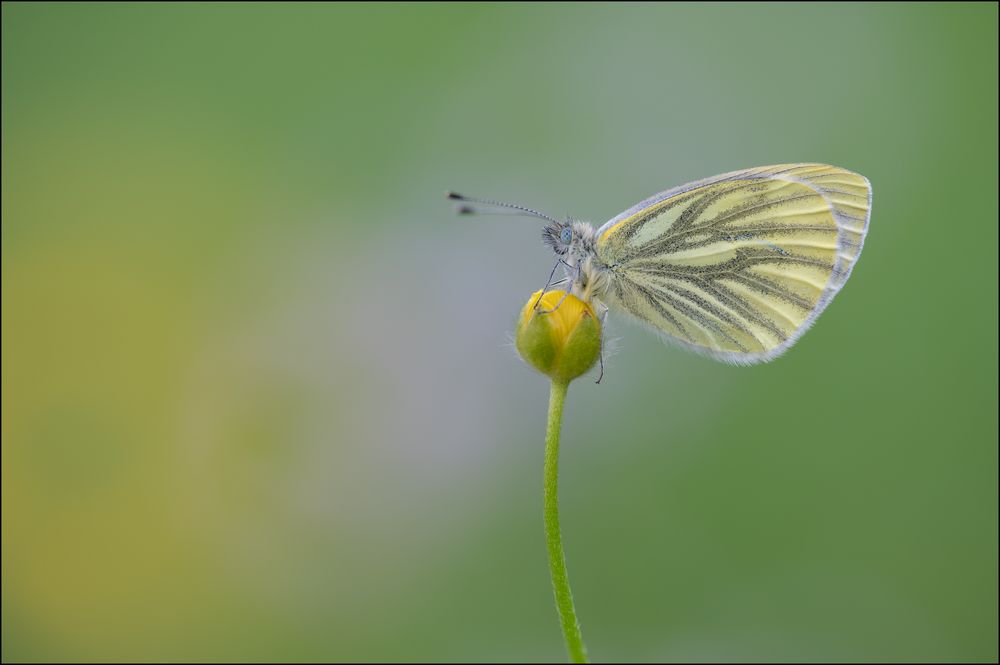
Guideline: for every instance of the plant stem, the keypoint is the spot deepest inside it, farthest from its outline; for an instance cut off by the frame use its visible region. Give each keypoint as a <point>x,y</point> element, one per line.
<point>553,538</point>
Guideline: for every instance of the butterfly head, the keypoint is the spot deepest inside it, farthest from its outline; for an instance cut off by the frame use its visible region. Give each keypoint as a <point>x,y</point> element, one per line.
<point>565,238</point>
<point>558,236</point>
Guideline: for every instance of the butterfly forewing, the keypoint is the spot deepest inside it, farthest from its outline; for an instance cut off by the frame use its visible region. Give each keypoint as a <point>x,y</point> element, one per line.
<point>739,265</point>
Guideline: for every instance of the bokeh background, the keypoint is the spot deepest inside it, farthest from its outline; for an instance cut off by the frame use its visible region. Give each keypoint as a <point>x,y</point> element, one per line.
<point>259,396</point>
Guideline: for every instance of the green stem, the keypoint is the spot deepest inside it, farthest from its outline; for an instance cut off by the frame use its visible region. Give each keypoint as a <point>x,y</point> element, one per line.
<point>553,538</point>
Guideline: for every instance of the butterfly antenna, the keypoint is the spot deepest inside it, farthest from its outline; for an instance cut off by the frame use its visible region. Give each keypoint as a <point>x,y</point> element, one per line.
<point>473,210</point>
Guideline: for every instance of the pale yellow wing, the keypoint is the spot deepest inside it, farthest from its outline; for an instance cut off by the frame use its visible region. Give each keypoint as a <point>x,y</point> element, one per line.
<point>740,265</point>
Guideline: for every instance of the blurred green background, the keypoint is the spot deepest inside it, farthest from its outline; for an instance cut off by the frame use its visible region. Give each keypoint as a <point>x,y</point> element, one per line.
<point>259,396</point>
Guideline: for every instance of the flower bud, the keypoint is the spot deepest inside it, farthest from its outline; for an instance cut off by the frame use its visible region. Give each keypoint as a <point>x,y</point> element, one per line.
<point>562,344</point>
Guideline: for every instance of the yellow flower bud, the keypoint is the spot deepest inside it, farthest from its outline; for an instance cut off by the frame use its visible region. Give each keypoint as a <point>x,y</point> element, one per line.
<point>562,344</point>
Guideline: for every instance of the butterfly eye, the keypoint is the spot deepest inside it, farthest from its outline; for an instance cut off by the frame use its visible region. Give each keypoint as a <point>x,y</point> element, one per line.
<point>566,236</point>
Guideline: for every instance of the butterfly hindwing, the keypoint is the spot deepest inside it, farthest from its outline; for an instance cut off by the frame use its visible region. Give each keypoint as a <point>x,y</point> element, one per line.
<point>738,266</point>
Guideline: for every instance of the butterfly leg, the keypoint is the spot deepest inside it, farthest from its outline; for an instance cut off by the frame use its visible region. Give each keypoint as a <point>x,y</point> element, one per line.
<point>565,293</point>
<point>604,319</point>
<point>549,311</point>
<point>549,284</point>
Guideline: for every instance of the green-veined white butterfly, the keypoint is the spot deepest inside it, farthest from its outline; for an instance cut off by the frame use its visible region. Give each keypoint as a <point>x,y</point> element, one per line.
<point>736,267</point>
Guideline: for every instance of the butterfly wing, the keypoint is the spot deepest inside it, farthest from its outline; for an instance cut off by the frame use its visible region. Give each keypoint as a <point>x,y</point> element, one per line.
<point>740,265</point>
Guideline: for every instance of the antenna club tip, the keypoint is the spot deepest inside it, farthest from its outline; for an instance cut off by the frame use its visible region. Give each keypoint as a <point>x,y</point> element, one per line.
<point>465,210</point>
<point>454,196</point>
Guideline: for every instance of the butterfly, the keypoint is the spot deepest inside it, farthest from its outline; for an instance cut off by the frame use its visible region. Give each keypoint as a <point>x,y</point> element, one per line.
<point>736,267</point>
